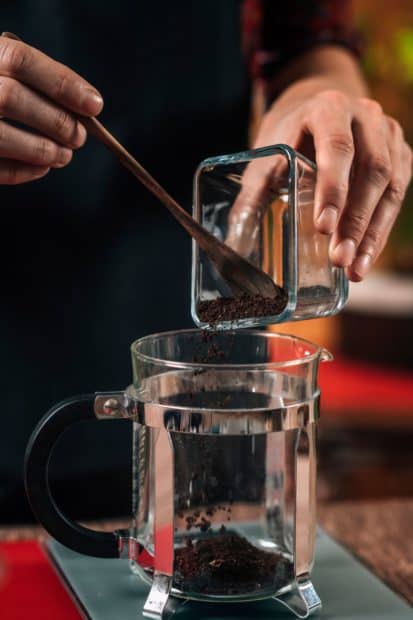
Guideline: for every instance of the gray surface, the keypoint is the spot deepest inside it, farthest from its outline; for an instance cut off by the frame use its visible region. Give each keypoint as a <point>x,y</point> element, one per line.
<point>109,591</point>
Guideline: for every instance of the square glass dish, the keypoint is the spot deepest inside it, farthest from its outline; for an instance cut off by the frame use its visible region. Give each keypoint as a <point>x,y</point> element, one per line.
<point>261,203</point>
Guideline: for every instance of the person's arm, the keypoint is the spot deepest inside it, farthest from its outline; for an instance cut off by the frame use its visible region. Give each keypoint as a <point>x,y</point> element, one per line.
<point>320,106</point>
<point>324,66</point>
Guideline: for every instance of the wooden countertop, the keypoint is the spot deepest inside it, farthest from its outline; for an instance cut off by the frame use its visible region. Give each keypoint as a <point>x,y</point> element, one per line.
<point>379,533</point>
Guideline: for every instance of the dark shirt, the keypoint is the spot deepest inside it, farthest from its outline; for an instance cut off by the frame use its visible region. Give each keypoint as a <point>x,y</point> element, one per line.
<point>89,261</point>
<point>276,32</point>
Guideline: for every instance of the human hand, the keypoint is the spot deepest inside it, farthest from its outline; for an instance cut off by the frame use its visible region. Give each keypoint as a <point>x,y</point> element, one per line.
<point>40,93</point>
<point>364,168</point>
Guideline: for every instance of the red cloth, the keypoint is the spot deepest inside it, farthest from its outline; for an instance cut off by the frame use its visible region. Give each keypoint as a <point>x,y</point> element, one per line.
<point>29,587</point>
<point>351,388</point>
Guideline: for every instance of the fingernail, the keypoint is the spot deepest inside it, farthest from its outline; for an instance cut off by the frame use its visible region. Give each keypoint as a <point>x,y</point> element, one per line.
<point>80,137</point>
<point>327,220</point>
<point>344,252</point>
<point>63,157</point>
<point>242,232</point>
<point>361,265</point>
<point>92,101</point>
<point>39,172</point>
<point>10,35</point>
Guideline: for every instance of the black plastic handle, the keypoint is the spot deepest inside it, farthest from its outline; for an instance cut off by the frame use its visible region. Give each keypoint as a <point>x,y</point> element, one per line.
<point>36,479</point>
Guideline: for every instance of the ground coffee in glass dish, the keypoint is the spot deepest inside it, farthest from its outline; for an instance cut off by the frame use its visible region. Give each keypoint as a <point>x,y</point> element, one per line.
<point>244,306</point>
<point>284,242</point>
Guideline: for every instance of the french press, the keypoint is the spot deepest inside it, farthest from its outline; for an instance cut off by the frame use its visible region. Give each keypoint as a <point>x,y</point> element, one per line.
<point>224,467</point>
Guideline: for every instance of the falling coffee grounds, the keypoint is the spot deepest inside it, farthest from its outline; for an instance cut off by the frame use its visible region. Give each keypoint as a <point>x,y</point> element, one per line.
<point>213,311</point>
<point>220,561</point>
<point>227,564</point>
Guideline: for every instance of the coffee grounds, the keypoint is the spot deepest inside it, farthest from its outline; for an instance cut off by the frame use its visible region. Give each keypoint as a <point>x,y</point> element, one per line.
<point>213,311</point>
<point>224,563</point>
<point>207,351</point>
<point>227,564</point>
<point>316,295</point>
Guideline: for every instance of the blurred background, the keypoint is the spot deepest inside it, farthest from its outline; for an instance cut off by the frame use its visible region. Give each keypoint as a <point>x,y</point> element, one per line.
<point>366,431</point>
<point>83,275</point>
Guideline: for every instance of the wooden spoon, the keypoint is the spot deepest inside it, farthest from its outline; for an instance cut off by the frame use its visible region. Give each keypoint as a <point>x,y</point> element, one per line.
<point>239,273</point>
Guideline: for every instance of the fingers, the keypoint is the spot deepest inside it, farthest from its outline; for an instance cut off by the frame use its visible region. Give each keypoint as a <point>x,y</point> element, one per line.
<point>14,172</point>
<point>37,91</point>
<point>329,121</point>
<point>389,205</point>
<point>261,177</point>
<point>363,170</point>
<point>260,183</point>
<point>56,81</point>
<point>29,148</point>
<point>20,103</point>
<point>371,175</point>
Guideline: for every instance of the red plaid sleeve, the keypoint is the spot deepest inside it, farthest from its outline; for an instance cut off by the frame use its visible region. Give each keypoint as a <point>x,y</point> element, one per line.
<point>274,32</point>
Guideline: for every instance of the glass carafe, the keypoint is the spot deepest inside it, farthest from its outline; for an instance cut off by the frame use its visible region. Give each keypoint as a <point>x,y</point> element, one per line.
<point>224,468</point>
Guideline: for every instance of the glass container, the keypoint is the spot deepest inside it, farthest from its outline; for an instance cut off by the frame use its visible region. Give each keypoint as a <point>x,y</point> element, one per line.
<point>261,203</point>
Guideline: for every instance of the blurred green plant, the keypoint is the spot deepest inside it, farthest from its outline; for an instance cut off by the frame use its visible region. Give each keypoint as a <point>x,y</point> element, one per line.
<point>388,66</point>
<point>404,45</point>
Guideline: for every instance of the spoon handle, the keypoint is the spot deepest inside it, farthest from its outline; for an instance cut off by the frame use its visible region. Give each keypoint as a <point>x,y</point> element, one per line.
<point>95,128</point>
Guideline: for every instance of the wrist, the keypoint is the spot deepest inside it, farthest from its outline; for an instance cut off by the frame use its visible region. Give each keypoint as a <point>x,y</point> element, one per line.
<point>322,68</point>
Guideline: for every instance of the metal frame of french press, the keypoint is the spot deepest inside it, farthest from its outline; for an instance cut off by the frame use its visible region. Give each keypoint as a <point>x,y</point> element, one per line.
<point>158,569</point>
<point>163,599</point>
